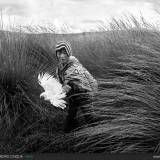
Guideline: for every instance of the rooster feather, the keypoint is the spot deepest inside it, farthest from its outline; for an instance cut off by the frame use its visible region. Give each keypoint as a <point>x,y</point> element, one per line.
<point>53,90</point>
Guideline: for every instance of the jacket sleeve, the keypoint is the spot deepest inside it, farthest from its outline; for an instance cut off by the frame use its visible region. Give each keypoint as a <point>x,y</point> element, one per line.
<point>71,77</point>
<point>79,78</point>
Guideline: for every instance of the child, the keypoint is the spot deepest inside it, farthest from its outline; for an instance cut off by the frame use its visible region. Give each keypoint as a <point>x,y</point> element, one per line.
<point>77,82</point>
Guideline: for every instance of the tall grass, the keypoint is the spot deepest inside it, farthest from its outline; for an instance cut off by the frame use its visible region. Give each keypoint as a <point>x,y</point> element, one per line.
<point>124,60</point>
<point>126,63</point>
<point>23,115</point>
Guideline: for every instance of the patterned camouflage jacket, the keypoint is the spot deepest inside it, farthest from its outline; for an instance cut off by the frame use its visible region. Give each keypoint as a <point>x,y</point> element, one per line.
<point>76,76</point>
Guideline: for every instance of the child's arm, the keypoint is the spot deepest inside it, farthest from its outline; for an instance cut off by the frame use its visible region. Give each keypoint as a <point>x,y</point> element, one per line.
<point>67,88</point>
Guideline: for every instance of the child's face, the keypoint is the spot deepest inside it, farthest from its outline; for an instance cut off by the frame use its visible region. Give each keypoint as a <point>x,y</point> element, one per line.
<point>62,56</point>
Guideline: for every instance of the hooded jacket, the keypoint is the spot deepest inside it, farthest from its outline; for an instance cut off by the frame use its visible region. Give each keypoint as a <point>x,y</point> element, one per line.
<point>75,74</point>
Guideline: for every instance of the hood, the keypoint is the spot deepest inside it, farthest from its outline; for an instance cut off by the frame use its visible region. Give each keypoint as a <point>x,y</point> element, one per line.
<point>65,45</point>
<point>73,59</point>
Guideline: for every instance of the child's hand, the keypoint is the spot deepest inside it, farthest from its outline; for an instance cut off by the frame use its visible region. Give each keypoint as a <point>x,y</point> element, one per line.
<point>66,88</point>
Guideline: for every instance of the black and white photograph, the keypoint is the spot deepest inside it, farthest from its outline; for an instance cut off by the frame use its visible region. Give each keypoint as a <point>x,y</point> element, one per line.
<point>79,76</point>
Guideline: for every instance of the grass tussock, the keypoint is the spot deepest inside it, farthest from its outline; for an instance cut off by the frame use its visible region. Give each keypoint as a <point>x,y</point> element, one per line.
<point>24,117</point>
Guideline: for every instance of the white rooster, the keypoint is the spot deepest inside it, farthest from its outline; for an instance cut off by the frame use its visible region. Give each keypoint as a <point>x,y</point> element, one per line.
<point>53,90</point>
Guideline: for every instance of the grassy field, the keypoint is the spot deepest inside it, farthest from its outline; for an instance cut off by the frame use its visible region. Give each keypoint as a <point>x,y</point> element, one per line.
<point>126,63</point>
